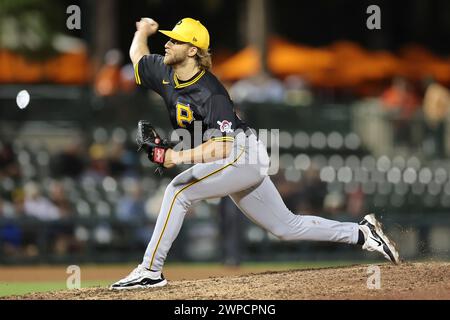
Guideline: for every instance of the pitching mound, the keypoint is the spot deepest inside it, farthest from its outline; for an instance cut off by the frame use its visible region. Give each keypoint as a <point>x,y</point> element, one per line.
<point>406,281</point>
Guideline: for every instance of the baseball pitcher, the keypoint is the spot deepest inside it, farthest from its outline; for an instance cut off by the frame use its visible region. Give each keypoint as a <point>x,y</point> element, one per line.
<point>228,158</point>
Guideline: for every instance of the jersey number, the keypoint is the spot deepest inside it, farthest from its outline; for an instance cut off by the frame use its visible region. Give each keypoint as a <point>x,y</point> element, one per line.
<point>184,115</point>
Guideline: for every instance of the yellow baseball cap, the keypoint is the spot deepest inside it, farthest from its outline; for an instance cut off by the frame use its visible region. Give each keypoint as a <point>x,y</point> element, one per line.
<point>191,31</point>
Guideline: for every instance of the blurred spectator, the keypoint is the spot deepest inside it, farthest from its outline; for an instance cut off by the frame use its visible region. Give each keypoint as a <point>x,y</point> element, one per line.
<point>10,232</point>
<point>131,207</point>
<point>18,199</point>
<point>436,104</point>
<point>231,221</point>
<point>356,202</point>
<point>8,163</point>
<point>6,209</point>
<point>400,99</point>
<point>297,91</point>
<point>401,103</point>
<point>303,197</point>
<point>59,198</point>
<point>29,234</point>
<point>108,79</point>
<point>69,162</point>
<point>60,236</point>
<point>127,80</point>
<point>116,154</point>
<point>98,162</point>
<point>64,238</point>
<point>38,206</point>
<point>334,203</point>
<point>436,107</point>
<point>314,191</point>
<point>258,89</point>
<point>130,161</point>
<point>124,160</point>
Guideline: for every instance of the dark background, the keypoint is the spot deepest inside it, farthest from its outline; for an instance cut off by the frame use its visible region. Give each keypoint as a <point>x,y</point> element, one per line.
<point>316,23</point>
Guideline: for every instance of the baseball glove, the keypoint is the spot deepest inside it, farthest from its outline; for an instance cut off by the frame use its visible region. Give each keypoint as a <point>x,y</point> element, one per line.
<point>149,140</point>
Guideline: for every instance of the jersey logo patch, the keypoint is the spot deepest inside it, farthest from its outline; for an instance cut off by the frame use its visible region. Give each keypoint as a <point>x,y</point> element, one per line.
<point>165,82</point>
<point>225,126</point>
<point>185,115</point>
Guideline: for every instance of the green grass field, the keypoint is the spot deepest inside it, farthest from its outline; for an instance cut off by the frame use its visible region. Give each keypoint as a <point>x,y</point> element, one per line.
<point>20,288</point>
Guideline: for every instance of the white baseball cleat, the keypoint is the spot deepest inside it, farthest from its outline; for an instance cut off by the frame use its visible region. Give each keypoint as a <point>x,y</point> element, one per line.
<point>376,240</point>
<point>140,278</point>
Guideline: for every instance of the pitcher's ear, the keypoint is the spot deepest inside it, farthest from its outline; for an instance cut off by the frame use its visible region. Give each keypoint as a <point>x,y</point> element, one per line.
<point>192,52</point>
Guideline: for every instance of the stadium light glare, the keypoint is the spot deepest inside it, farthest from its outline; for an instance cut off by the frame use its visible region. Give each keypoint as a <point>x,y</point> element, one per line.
<point>425,175</point>
<point>410,175</point>
<point>345,174</point>
<point>328,174</point>
<point>336,161</point>
<point>394,175</point>
<point>318,140</point>
<point>368,162</point>
<point>383,163</point>
<point>440,175</point>
<point>335,140</point>
<point>413,162</point>
<point>302,162</point>
<point>301,140</point>
<point>352,161</point>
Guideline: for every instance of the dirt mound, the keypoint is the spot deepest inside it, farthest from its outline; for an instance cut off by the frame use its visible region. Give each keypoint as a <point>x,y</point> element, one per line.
<point>406,281</point>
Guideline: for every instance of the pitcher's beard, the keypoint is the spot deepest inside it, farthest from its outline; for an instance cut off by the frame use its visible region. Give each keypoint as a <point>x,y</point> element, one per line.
<point>173,60</point>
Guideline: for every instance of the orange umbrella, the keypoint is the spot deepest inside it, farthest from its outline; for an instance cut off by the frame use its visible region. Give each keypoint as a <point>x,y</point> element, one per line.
<point>245,63</point>
<point>285,58</point>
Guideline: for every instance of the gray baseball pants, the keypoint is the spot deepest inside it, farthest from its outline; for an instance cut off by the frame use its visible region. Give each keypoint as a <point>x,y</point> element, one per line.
<point>242,176</point>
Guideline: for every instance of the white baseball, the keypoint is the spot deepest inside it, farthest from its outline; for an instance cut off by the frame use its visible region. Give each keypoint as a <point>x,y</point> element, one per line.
<point>23,98</point>
<point>149,20</point>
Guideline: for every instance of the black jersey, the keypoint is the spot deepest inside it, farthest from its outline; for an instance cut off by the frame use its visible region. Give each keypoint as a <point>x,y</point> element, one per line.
<point>202,100</point>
